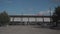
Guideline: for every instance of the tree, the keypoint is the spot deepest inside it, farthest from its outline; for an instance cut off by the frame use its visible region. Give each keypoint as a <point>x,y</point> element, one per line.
<point>4,18</point>
<point>56,15</point>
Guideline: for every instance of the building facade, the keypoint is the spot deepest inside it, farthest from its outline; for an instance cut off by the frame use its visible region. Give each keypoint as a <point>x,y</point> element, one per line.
<point>29,19</point>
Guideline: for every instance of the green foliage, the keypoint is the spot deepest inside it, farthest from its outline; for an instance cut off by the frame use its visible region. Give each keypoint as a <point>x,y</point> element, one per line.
<point>4,18</point>
<point>56,15</point>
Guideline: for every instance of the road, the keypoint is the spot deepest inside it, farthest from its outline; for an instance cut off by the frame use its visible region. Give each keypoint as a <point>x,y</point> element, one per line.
<point>27,29</point>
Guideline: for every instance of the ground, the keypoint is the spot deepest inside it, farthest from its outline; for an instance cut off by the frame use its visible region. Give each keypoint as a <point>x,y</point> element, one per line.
<point>26,29</point>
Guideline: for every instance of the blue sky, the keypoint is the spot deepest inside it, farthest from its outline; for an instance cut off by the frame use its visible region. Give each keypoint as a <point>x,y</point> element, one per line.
<point>14,7</point>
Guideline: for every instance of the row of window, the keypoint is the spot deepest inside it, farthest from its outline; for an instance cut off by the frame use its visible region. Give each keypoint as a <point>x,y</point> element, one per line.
<point>29,19</point>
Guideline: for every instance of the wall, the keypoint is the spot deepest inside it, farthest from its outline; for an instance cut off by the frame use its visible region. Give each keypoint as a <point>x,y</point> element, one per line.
<point>30,19</point>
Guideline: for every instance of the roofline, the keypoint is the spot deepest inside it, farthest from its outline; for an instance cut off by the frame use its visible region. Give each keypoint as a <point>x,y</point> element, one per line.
<point>27,16</point>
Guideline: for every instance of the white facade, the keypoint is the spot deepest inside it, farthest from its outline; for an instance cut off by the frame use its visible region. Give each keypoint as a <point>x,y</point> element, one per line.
<point>31,19</point>
<point>39,19</point>
<point>11,18</point>
<point>46,19</point>
<point>17,19</point>
<point>25,19</point>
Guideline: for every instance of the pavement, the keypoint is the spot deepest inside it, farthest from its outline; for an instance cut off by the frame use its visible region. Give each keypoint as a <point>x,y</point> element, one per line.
<point>26,29</point>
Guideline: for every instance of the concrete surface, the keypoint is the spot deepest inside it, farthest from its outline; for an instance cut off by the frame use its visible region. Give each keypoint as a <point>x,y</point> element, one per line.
<point>27,29</point>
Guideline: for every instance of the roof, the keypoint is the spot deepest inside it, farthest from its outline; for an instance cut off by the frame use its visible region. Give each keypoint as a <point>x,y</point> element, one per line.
<point>27,16</point>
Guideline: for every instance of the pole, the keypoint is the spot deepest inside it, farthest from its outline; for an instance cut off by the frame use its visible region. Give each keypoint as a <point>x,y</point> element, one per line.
<point>50,15</point>
<point>22,17</point>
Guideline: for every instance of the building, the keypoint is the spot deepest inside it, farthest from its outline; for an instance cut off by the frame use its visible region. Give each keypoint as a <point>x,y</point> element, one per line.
<point>29,19</point>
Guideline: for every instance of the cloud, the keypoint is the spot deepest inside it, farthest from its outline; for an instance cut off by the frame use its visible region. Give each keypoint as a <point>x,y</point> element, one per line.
<point>31,9</point>
<point>55,1</point>
<point>27,9</point>
<point>5,1</point>
<point>28,14</point>
<point>9,1</point>
<point>46,13</point>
